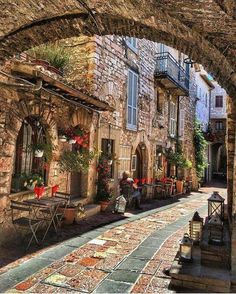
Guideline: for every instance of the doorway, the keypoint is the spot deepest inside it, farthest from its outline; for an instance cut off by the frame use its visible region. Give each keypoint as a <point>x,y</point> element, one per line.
<point>141,162</point>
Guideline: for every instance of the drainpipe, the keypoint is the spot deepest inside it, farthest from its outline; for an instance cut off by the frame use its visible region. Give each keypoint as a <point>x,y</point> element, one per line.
<point>177,131</point>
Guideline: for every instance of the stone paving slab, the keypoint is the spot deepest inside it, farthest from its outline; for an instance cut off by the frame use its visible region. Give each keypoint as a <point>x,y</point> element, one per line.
<point>104,262</point>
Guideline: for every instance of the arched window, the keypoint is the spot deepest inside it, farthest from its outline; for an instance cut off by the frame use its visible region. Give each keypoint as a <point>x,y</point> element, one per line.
<point>31,134</point>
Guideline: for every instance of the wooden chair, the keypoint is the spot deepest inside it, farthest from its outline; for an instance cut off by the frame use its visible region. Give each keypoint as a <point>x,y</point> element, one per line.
<point>23,219</point>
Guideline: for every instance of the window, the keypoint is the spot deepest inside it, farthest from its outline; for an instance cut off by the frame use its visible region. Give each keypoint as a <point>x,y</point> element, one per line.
<point>219,101</point>
<point>219,125</point>
<point>108,150</point>
<point>181,122</point>
<point>32,132</point>
<point>162,48</point>
<point>172,119</point>
<point>132,100</point>
<point>159,102</point>
<point>206,98</point>
<point>132,43</point>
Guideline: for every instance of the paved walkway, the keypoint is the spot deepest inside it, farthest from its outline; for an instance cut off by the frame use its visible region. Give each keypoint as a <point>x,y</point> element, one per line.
<point>126,256</point>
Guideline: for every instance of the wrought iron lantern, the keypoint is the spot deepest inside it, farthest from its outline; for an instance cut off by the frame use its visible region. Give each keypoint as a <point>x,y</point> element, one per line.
<point>120,204</point>
<point>215,227</point>
<point>186,248</point>
<point>195,227</point>
<point>216,205</point>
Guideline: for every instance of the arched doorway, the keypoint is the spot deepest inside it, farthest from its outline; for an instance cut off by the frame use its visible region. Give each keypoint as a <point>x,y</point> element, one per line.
<point>140,170</point>
<point>219,161</point>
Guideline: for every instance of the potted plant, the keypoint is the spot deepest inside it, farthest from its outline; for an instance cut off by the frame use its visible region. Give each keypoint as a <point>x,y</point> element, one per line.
<point>104,193</point>
<point>62,135</point>
<point>70,135</point>
<point>74,161</point>
<point>41,149</point>
<point>81,137</point>
<point>51,56</point>
<point>33,180</point>
<point>39,188</point>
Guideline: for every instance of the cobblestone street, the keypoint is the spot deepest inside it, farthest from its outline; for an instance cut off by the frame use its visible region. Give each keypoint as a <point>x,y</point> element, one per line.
<point>126,256</point>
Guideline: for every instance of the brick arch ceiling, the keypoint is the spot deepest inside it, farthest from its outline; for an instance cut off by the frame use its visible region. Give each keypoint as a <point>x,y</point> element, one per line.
<point>205,30</point>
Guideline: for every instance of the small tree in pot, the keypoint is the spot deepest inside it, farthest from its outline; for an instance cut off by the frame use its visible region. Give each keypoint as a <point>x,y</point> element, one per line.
<point>104,193</point>
<point>74,161</point>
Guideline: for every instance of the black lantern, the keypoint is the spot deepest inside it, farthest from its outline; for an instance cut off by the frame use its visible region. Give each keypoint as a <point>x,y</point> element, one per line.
<point>215,227</point>
<point>216,205</point>
<point>186,248</point>
<point>195,227</point>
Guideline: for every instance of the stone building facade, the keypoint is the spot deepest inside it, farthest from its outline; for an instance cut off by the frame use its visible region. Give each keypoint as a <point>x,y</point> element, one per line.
<point>28,110</point>
<point>104,66</point>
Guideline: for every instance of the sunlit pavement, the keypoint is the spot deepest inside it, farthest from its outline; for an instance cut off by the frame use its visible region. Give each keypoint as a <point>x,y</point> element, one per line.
<point>126,256</point>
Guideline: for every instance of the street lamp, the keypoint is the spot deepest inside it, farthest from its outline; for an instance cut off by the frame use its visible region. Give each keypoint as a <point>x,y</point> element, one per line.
<point>186,248</point>
<point>195,227</point>
<point>216,205</point>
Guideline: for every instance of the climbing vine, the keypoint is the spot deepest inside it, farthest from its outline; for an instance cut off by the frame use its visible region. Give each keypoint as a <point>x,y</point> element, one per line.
<point>200,144</point>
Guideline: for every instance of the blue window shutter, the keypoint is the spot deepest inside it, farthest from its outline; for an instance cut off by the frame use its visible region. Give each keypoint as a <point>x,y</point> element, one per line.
<point>132,99</point>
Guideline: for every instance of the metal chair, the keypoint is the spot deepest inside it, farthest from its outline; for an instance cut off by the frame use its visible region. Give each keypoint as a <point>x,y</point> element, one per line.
<point>60,214</point>
<point>25,220</point>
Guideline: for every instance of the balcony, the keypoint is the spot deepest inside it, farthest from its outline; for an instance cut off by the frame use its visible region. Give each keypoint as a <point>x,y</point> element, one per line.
<point>171,75</point>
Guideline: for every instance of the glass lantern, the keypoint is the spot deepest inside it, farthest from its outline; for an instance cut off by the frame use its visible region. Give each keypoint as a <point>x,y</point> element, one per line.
<point>186,248</point>
<point>215,227</point>
<point>216,205</point>
<point>195,227</point>
<point>120,204</point>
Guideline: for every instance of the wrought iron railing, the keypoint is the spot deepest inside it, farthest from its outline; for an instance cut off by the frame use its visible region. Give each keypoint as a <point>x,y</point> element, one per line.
<point>166,64</point>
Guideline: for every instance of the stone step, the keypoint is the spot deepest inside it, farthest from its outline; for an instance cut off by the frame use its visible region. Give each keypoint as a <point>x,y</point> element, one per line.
<point>91,209</point>
<point>194,275</point>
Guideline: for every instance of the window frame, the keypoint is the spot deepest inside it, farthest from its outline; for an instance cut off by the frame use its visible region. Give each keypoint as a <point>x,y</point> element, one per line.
<point>217,101</point>
<point>131,42</point>
<point>104,143</point>
<point>172,120</point>
<point>131,105</point>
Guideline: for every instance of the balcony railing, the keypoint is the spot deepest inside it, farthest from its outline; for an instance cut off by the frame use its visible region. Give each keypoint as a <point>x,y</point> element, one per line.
<point>168,67</point>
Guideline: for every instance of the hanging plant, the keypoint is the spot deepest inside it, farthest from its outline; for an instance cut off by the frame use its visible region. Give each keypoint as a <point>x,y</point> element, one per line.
<point>200,144</point>
<point>76,161</point>
<point>178,159</point>
<point>42,149</point>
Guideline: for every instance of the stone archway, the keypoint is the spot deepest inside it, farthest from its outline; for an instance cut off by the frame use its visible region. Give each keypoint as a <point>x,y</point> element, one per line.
<point>191,27</point>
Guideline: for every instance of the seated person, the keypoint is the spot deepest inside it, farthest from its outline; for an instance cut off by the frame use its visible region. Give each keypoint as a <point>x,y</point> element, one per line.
<point>130,190</point>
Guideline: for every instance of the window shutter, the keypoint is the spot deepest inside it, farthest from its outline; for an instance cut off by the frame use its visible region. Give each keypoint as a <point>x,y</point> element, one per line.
<point>132,99</point>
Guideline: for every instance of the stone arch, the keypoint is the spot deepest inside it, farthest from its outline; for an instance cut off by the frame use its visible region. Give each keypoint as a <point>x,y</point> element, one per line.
<point>164,22</point>
<point>141,139</point>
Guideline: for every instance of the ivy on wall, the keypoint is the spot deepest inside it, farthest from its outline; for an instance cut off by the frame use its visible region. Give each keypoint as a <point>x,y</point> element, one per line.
<point>200,144</point>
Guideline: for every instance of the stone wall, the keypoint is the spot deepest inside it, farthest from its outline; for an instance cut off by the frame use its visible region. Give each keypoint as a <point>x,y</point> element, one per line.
<point>53,112</point>
<point>107,79</point>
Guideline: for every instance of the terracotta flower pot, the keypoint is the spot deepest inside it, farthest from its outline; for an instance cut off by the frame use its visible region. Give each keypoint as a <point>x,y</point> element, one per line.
<point>69,214</point>
<point>179,186</point>
<point>104,205</point>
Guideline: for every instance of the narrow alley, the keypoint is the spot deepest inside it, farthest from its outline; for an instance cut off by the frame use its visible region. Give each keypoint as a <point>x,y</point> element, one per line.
<point>129,255</point>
